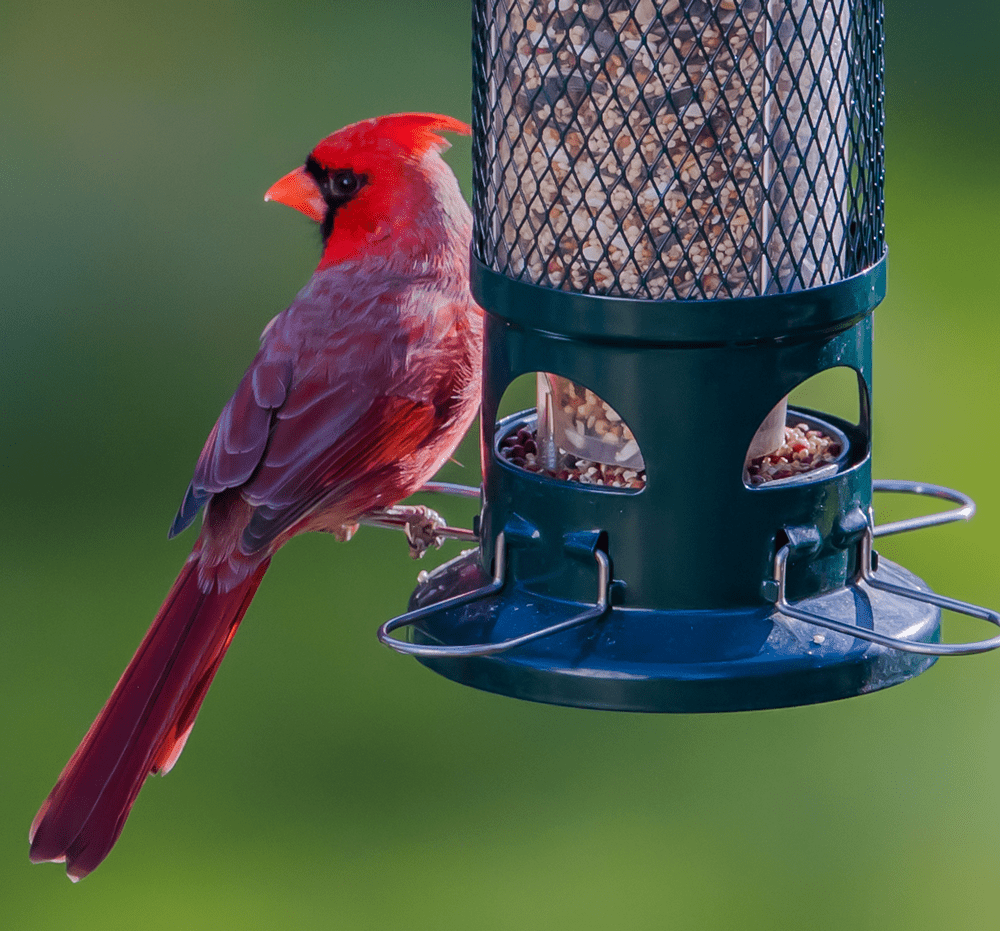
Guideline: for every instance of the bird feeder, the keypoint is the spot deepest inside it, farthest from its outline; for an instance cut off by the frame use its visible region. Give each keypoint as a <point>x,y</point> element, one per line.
<point>678,219</point>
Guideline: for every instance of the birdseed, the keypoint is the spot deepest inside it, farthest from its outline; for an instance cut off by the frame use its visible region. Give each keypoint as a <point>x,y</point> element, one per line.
<point>666,150</point>
<point>804,450</point>
<point>520,448</point>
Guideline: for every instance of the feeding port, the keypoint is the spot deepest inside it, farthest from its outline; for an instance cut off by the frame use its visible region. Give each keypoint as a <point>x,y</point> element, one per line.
<point>678,219</point>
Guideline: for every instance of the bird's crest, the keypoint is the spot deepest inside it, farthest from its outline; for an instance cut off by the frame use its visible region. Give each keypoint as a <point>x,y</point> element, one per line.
<point>415,133</point>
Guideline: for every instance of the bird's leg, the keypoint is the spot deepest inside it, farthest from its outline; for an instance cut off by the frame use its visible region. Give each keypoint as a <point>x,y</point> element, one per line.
<point>420,524</point>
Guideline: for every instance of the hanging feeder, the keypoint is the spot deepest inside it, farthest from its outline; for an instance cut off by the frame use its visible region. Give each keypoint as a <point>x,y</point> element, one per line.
<point>678,219</point>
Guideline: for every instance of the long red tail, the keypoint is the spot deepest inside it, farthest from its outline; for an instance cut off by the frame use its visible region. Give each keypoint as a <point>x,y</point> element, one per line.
<point>143,726</point>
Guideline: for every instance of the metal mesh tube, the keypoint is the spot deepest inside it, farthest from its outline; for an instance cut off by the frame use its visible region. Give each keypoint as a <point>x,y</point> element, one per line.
<point>678,150</point>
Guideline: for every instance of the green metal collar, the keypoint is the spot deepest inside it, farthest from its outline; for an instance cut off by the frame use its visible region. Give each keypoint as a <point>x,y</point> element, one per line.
<point>728,322</point>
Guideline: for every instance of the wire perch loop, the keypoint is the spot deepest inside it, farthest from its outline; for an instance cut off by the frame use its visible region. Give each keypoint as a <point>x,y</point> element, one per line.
<point>868,576</point>
<point>488,649</point>
<point>965,511</point>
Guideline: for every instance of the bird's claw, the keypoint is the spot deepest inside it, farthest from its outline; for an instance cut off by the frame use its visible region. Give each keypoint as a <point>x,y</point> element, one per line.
<point>422,528</point>
<point>421,524</point>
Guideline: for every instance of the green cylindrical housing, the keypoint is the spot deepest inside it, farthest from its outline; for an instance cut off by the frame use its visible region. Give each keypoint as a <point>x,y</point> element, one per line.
<point>697,536</point>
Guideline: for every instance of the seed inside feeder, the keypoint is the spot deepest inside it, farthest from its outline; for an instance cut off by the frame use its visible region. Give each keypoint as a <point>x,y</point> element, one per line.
<point>665,150</point>
<point>805,449</point>
<point>520,448</point>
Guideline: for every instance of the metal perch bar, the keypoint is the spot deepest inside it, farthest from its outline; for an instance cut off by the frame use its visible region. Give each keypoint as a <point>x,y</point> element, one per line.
<point>451,488</point>
<point>488,649</point>
<point>868,575</point>
<point>965,512</point>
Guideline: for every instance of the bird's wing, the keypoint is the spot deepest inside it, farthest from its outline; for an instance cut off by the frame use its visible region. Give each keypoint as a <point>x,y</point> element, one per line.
<point>237,442</point>
<point>352,470</point>
<point>295,434</point>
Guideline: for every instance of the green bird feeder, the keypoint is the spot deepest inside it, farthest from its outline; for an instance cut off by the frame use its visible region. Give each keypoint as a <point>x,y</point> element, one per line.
<point>678,220</point>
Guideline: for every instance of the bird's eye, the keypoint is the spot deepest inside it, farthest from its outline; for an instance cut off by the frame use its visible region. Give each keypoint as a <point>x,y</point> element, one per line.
<point>344,184</point>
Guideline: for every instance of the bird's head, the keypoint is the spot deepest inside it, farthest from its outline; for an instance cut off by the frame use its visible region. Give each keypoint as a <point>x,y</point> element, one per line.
<point>379,187</point>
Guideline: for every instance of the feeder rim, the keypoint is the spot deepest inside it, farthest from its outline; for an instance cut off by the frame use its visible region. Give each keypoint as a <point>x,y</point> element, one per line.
<point>718,322</point>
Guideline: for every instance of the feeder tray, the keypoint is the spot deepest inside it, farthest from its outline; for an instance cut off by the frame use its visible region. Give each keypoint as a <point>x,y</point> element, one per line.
<point>878,631</point>
<point>678,219</point>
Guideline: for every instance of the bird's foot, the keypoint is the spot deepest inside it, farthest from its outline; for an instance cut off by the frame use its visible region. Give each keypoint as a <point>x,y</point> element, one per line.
<point>421,524</point>
<point>422,530</point>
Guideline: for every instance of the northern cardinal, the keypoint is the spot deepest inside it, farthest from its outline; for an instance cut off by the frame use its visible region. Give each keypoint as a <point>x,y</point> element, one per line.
<point>361,390</point>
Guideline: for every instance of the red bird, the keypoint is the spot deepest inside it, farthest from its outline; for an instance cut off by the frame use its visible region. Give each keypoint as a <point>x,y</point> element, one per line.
<point>361,390</point>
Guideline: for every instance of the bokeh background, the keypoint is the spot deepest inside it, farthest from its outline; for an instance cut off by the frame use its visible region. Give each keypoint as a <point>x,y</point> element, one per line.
<point>329,782</point>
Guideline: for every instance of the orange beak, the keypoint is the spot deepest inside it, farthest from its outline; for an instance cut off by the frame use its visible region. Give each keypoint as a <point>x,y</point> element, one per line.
<point>299,191</point>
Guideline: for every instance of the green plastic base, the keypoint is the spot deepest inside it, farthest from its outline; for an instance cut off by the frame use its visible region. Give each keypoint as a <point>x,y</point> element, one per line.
<point>683,661</point>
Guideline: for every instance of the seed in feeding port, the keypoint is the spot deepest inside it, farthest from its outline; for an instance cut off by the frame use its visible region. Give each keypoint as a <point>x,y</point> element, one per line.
<point>820,450</point>
<point>572,468</point>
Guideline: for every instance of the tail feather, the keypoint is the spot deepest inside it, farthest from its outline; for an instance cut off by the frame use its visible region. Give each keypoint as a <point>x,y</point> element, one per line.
<point>145,723</point>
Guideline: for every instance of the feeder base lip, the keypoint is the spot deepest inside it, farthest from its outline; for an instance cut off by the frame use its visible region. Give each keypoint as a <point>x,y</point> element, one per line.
<point>676,661</point>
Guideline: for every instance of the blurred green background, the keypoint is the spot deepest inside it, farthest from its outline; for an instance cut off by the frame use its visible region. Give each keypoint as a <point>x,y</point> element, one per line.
<point>330,782</point>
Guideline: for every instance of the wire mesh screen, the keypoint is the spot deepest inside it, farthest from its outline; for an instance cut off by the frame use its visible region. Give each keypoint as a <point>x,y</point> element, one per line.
<point>682,149</point>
